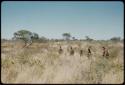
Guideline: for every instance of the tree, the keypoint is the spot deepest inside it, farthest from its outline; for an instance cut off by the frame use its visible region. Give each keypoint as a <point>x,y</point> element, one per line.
<point>35,36</point>
<point>88,39</point>
<point>4,40</point>
<point>43,39</point>
<point>73,38</point>
<point>66,36</point>
<point>26,36</point>
<point>115,39</point>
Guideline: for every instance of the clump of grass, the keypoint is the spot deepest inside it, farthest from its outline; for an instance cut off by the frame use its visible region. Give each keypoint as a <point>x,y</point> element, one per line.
<point>98,69</point>
<point>52,56</point>
<point>23,57</point>
<point>113,53</point>
<point>117,66</point>
<point>10,76</point>
<point>9,69</point>
<point>7,63</point>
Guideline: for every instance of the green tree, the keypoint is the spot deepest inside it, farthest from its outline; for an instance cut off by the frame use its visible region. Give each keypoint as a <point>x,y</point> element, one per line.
<point>26,36</point>
<point>73,38</point>
<point>66,36</point>
<point>43,39</point>
<point>88,38</point>
<point>116,39</point>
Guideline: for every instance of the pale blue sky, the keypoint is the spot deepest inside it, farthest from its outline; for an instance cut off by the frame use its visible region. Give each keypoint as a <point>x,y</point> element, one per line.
<point>99,20</point>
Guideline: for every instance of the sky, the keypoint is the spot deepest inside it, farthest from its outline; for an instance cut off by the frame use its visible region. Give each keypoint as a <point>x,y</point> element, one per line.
<point>98,20</point>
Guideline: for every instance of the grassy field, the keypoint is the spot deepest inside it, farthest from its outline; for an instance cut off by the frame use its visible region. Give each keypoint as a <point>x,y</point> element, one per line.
<point>41,63</point>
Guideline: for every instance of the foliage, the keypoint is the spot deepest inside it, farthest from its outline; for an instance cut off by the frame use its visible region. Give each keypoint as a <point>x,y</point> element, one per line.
<point>35,36</point>
<point>26,36</point>
<point>42,39</point>
<point>115,39</point>
<point>66,36</point>
<point>88,38</point>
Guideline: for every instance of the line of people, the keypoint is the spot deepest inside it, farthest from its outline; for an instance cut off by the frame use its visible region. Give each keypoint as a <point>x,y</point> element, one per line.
<point>105,52</point>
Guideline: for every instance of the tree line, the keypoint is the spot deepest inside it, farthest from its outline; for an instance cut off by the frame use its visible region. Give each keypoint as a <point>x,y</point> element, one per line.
<point>28,36</point>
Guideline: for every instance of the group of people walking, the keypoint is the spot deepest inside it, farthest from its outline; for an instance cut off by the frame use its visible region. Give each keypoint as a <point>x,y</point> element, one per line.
<point>105,52</point>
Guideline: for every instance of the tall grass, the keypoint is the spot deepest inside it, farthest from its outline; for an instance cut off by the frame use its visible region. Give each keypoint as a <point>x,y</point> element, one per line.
<point>41,63</point>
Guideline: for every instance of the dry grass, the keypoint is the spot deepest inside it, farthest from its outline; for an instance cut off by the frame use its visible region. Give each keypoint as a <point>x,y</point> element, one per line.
<point>41,63</point>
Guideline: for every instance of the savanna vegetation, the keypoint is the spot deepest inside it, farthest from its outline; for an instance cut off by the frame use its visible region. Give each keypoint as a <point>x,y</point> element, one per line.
<point>41,62</point>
